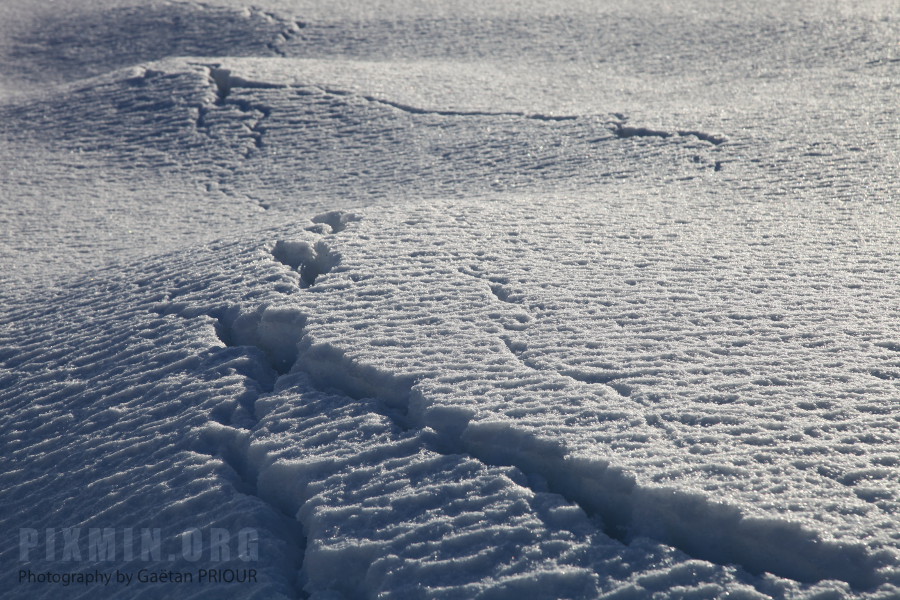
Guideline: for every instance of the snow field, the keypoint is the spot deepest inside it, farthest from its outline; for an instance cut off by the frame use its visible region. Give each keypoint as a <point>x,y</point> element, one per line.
<point>599,301</point>
<point>363,455</point>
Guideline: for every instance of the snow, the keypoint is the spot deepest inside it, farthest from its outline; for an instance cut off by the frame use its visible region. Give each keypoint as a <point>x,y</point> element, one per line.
<point>451,300</point>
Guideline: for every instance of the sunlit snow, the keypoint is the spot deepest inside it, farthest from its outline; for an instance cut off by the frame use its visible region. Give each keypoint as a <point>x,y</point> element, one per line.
<point>450,300</point>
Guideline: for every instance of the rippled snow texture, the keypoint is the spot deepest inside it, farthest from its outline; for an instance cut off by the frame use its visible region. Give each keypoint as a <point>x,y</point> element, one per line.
<point>456,300</point>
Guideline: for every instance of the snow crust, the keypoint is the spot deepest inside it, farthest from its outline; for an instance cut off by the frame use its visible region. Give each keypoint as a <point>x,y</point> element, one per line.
<point>448,301</point>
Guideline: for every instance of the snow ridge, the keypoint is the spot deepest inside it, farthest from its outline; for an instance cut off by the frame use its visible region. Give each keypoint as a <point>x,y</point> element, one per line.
<point>123,36</point>
<point>269,331</point>
<point>274,333</point>
<point>701,527</point>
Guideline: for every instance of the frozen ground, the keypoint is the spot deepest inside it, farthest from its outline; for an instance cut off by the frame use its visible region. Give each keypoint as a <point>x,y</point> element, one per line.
<point>454,300</point>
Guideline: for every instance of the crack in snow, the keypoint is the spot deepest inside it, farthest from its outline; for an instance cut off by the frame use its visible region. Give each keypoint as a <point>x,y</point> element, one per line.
<point>608,380</point>
<point>622,131</point>
<point>617,127</point>
<point>446,113</point>
<point>701,527</point>
<point>309,260</point>
<point>504,294</point>
<point>268,333</point>
<point>253,113</point>
<point>272,334</point>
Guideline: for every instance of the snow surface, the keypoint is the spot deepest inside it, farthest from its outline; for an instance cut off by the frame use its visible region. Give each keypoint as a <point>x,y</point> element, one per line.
<point>449,300</point>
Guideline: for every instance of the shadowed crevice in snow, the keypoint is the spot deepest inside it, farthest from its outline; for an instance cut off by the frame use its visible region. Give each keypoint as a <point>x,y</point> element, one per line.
<point>272,330</point>
<point>699,526</point>
<point>225,83</point>
<point>278,339</point>
<point>330,369</point>
<point>467,113</point>
<point>605,378</point>
<point>617,126</point>
<point>622,131</point>
<point>253,113</point>
<point>625,131</point>
<point>267,338</point>
<point>337,220</point>
<point>702,527</point>
<point>499,286</point>
<point>695,524</point>
<point>706,137</point>
<point>309,260</point>
<point>270,338</point>
<point>500,289</point>
<point>882,62</point>
<point>501,292</point>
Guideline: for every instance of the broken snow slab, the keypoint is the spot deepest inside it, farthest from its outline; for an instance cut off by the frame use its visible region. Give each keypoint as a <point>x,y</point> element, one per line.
<point>560,395</point>
<point>725,388</point>
<point>164,402</point>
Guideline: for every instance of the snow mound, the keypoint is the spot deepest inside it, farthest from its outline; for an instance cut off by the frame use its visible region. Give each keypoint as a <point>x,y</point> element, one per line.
<point>75,42</point>
<point>187,148</point>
